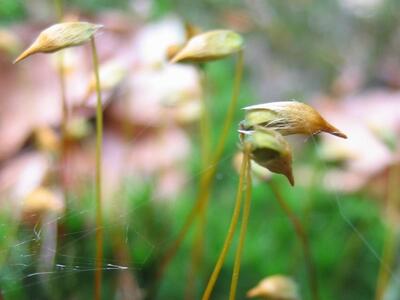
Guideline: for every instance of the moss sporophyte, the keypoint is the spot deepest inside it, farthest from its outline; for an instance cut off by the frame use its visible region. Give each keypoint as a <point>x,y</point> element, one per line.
<point>60,36</point>
<point>261,135</point>
<point>202,48</point>
<point>56,38</point>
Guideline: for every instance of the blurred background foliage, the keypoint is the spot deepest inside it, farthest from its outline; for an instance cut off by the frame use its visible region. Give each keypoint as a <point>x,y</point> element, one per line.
<point>305,49</point>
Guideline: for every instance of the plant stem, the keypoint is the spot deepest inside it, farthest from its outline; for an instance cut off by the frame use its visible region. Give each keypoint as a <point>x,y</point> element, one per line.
<point>197,247</point>
<point>64,121</point>
<point>231,231</point>
<point>386,262</point>
<point>208,175</point>
<point>99,142</point>
<point>197,253</point>
<point>243,229</point>
<point>302,236</point>
<point>390,243</point>
<point>205,124</point>
<point>58,8</point>
<point>63,156</point>
<point>231,109</point>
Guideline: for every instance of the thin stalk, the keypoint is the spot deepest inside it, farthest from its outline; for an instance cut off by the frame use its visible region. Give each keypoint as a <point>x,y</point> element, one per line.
<point>387,261</point>
<point>302,236</point>
<point>62,159</point>
<point>204,136</point>
<point>99,142</point>
<point>231,109</point>
<point>205,123</point>
<point>197,254</point>
<point>390,242</point>
<point>198,244</point>
<point>208,175</point>
<point>64,122</point>
<point>242,236</point>
<point>197,247</point>
<point>231,231</point>
<point>58,7</point>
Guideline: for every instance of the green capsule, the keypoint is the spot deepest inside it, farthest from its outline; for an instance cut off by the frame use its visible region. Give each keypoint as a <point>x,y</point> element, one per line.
<point>270,150</point>
<point>209,46</point>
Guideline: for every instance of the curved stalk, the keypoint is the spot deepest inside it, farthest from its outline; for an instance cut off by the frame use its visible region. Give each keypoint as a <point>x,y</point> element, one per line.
<point>208,175</point>
<point>242,236</point>
<point>64,121</point>
<point>62,158</point>
<point>231,110</point>
<point>231,231</point>
<point>99,142</point>
<point>58,7</point>
<point>197,254</point>
<point>390,242</point>
<point>197,247</point>
<point>387,261</point>
<point>204,124</point>
<point>302,236</point>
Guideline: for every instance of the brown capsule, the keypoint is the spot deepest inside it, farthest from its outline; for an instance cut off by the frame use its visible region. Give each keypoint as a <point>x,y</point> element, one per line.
<point>270,150</point>
<point>276,287</point>
<point>209,46</point>
<point>60,36</point>
<point>288,117</point>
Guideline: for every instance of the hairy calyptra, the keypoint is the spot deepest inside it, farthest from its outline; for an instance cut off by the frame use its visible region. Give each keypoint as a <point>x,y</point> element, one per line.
<point>60,36</point>
<point>288,117</point>
<point>208,46</point>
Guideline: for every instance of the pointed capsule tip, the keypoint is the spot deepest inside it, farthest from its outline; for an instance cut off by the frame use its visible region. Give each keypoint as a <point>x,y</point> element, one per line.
<point>288,173</point>
<point>21,57</point>
<point>340,134</point>
<point>290,178</point>
<point>175,59</point>
<point>28,52</point>
<point>254,292</point>
<point>334,131</point>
